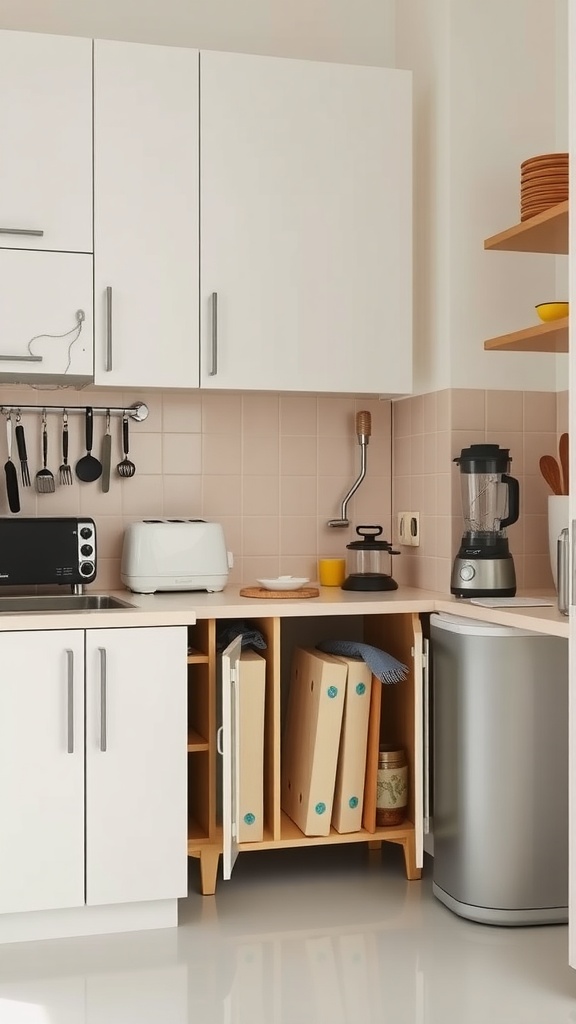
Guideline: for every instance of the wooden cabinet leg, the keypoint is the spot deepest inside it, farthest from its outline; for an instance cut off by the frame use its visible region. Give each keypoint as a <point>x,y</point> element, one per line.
<point>209,860</point>
<point>409,847</point>
<point>209,857</point>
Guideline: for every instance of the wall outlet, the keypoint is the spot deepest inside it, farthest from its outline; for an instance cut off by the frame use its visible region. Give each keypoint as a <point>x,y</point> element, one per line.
<point>408,528</point>
<point>403,528</point>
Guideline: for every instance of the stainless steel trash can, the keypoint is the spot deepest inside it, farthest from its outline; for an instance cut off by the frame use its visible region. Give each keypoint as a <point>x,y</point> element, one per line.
<point>500,772</point>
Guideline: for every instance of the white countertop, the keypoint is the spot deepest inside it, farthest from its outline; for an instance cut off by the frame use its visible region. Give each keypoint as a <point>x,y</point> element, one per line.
<point>185,608</point>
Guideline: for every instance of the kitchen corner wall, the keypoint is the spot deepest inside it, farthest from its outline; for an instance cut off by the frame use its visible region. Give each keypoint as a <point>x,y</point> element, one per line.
<point>429,431</point>
<point>271,469</point>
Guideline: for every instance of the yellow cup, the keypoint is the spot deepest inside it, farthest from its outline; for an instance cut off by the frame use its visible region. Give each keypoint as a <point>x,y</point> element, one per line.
<point>331,572</point>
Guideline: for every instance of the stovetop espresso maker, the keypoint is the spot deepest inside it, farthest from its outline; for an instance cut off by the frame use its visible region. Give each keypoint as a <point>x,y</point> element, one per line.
<point>484,566</point>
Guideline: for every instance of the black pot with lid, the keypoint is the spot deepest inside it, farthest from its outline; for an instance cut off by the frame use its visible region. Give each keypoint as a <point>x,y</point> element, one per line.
<point>366,561</point>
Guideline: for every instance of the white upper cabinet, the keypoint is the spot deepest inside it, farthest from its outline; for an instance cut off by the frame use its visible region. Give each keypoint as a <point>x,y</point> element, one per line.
<point>306,225</point>
<point>46,133</point>
<point>145,215</point>
<point>46,331</point>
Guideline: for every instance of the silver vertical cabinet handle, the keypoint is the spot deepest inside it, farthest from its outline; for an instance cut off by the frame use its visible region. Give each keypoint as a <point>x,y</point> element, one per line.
<point>220,741</point>
<point>108,329</point>
<point>426,737</point>
<point>572,556</point>
<point>21,231</point>
<point>214,357</point>
<point>572,581</point>
<point>70,695</point>
<point>103,695</point>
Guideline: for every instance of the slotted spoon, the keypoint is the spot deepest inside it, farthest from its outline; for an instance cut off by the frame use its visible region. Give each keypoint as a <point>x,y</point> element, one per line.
<point>126,467</point>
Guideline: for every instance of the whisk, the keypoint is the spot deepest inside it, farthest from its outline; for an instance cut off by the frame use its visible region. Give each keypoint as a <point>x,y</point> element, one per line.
<point>126,467</point>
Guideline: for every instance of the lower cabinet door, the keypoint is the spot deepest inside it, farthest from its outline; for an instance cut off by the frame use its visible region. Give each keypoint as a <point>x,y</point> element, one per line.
<point>136,764</point>
<point>230,749</point>
<point>41,770</point>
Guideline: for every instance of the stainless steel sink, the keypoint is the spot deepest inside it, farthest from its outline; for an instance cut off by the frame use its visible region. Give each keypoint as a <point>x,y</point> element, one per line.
<point>64,603</point>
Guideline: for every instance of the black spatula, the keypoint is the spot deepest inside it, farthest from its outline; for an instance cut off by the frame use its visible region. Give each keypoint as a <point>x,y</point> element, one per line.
<point>88,468</point>
<point>10,472</point>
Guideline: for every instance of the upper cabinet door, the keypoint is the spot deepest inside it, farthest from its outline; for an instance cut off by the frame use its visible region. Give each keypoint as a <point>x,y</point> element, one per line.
<point>306,226</point>
<point>46,332</point>
<point>145,215</point>
<point>46,133</point>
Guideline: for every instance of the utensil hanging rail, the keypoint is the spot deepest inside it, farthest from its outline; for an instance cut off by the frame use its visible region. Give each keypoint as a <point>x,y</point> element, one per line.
<point>138,411</point>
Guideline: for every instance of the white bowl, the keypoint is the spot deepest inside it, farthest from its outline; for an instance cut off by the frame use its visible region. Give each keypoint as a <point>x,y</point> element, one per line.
<point>284,583</point>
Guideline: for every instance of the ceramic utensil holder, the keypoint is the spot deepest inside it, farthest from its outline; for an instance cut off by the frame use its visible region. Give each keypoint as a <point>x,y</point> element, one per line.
<point>557,521</point>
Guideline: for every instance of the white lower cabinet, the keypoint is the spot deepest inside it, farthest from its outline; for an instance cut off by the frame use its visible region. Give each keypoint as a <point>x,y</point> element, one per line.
<point>41,770</point>
<point>136,763</point>
<point>92,791</point>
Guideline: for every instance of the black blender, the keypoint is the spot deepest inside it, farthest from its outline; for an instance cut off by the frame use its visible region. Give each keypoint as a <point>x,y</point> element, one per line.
<point>484,566</point>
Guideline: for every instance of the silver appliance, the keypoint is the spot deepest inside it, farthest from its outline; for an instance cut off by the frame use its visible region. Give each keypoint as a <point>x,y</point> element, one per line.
<point>483,566</point>
<point>500,772</point>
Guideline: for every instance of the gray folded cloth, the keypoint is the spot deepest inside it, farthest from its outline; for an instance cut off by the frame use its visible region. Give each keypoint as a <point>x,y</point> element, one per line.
<point>228,630</point>
<point>386,668</point>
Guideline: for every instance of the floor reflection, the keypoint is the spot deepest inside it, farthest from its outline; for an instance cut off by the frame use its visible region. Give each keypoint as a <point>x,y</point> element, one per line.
<point>330,937</point>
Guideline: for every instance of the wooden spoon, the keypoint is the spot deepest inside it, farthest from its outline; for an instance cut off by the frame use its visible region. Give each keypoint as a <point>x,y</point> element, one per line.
<point>551,472</point>
<point>563,451</point>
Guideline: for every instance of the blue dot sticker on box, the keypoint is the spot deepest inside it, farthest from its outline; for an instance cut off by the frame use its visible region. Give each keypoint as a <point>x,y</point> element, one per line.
<point>332,691</point>
<point>360,689</point>
<point>320,808</point>
<point>249,818</point>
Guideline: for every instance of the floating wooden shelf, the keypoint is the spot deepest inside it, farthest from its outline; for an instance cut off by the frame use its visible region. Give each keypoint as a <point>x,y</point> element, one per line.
<point>550,337</point>
<point>196,741</point>
<point>547,232</point>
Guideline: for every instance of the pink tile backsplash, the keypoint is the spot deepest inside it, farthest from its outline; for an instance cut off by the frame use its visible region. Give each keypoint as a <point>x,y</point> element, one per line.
<point>274,468</point>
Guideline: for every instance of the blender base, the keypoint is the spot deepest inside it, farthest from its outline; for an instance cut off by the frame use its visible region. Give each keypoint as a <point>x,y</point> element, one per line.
<point>483,577</point>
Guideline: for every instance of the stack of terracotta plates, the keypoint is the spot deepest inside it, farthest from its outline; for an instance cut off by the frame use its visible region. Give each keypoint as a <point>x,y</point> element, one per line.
<point>544,183</point>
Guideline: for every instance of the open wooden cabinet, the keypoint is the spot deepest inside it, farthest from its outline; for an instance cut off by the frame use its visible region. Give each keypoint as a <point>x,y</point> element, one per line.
<point>396,716</point>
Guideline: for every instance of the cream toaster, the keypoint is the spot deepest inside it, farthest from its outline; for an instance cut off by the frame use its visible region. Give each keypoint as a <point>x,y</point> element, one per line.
<point>174,554</point>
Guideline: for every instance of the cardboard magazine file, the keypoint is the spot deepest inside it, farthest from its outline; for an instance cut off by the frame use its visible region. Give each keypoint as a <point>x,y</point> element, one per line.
<point>349,792</point>
<point>312,738</point>
<point>251,699</point>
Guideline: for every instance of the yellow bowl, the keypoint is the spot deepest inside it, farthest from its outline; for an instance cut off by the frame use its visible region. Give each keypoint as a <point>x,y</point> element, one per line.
<point>552,310</point>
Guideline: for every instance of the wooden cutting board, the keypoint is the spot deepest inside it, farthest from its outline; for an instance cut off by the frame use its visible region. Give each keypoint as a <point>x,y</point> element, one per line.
<point>263,593</point>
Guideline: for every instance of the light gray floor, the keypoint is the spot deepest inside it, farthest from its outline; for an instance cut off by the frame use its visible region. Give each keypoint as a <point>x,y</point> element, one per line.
<point>319,936</point>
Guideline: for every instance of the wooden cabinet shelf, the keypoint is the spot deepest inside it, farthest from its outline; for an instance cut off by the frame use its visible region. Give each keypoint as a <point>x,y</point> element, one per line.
<point>197,658</point>
<point>292,836</point>
<point>196,741</point>
<point>547,232</point>
<point>549,337</point>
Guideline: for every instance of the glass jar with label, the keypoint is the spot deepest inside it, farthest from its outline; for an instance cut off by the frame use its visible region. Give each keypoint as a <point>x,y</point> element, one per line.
<point>392,786</point>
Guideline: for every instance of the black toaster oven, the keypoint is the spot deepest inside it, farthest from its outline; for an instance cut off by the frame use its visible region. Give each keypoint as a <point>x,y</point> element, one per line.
<point>46,550</point>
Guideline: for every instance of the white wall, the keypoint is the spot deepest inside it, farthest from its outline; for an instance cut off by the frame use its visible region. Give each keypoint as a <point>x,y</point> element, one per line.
<point>487,74</point>
<point>359,32</point>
